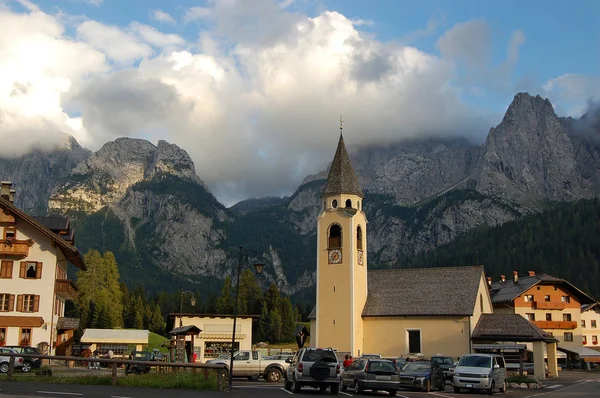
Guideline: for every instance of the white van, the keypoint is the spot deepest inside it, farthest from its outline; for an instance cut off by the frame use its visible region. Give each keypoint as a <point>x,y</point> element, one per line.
<point>480,372</point>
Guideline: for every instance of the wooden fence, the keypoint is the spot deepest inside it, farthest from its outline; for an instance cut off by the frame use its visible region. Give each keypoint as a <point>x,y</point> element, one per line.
<point>114,363</point>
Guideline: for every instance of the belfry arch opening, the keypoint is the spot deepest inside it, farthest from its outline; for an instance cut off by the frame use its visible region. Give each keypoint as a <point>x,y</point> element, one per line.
<point>348,204</point>
<point>335,237</point>
<point>359,238</point>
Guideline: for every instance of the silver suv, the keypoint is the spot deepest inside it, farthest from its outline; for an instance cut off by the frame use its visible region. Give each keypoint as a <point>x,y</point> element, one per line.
<point>314,367</point>
<point>480,372</point>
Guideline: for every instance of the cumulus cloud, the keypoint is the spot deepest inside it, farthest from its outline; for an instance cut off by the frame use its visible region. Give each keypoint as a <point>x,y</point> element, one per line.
<point>255,101</point>
<point>574,91</point>
<point>161,16</point>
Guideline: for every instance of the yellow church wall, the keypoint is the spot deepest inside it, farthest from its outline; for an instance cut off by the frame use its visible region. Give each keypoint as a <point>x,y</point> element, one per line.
<point>483,303</point>
<point>388,336</point>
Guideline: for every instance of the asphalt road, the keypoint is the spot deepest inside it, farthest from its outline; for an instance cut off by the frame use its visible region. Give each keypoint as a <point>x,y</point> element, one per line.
<point>571,384</point>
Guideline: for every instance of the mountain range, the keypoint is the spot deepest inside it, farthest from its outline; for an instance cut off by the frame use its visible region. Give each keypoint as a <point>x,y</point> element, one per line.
<point>146,203</point>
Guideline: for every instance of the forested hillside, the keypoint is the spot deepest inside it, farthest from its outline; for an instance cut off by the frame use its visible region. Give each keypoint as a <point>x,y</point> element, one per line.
<point>563,241</point>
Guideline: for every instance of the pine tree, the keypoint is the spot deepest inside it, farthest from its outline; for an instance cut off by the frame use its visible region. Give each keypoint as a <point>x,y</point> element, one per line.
<point>225,302</point>
<point>274,326</point>
<point>157,322</point>
<point>287,319</point>
<point>262,333</point>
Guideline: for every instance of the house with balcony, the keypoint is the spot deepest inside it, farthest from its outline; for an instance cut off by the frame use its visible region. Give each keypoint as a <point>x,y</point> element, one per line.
<point>552,304</point>
<point>34,287</point>
<point>590,325</point>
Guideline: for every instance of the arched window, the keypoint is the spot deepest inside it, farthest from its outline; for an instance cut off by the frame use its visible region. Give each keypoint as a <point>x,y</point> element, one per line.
<point>335,237</point>
<point>348,203</point>
<point>359,239</point>
<point>334,203</point>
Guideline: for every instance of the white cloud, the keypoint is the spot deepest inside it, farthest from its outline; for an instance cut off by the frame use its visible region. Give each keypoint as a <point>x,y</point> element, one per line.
<point>255,101</point>
<point>162,16</point>
<point>574,91</point>
<point>96,3</point>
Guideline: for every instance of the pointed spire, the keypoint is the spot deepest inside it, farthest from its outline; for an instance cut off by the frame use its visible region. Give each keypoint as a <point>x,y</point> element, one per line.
<point>342,178</point>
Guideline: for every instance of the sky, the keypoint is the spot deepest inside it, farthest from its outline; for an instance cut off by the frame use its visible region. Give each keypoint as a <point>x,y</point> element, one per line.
<point>253,90</point>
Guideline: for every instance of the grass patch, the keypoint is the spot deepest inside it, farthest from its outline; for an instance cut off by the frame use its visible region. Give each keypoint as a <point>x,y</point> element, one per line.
<point>184,380</point>
<point>521,379</point>
<point>156,341</point>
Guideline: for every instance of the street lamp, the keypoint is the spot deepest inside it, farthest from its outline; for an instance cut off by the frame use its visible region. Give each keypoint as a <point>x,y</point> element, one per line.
<point>192,301</point>
<point>243,259</point>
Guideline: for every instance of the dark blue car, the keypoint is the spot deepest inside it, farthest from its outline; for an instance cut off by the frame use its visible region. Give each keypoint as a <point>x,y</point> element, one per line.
<point>422,375</point>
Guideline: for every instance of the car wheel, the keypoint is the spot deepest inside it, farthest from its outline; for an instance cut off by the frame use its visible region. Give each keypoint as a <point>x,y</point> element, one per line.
<point>296,387</point>
<point>503,388</point>
<point>392,393</point>
<point>274,376</point>
<point>26,367</point>
<point>357,389</point>
<point>490,391</point>
<point>4,367</point>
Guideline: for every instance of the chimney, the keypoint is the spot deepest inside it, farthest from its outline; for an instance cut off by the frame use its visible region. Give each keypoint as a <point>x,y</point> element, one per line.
<point>502,278</point>
<point>515,276</point>
<point>11,195</point>
<point>5,189</point>
<point>531,273</point>
<point>489,281</point>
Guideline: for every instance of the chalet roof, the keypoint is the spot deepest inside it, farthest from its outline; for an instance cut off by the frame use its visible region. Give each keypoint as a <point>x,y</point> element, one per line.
<point>450,291</point>
<point>507,291</point>
<point>587,307</point>
<point>53,223</point>
<point>69,251</point>
<point>187,330</point>
<point>342,179</point>
<point>123,336</point>
<point>67,323</point>
<point>509,327</point>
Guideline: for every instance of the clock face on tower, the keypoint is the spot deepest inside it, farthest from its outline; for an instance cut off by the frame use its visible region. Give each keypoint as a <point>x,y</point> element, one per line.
<point>335,256</point>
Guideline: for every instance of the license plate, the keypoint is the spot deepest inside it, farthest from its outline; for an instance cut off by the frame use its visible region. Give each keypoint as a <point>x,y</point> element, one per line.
<point>469,385</point>
<point>383,377</point>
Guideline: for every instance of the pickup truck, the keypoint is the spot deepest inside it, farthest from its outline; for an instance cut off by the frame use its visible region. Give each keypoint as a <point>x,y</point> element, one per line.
<point>250,364</point>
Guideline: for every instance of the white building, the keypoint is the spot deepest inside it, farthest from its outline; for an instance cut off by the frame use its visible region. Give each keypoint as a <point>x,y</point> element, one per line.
<point>34,254</point>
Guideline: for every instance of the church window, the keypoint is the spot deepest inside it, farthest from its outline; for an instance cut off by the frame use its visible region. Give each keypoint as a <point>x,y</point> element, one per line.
<point>348,203</point>
<point>334,203</point>
<point>335,237</point>
<point>481,302</point>
<point>359,238</point>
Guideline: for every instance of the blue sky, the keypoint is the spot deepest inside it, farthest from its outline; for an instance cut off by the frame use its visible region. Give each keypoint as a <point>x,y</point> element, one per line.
<point>264,81</point>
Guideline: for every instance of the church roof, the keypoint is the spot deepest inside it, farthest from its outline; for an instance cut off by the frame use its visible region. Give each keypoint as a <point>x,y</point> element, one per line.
<point>342,179</point>
<point>448,291</point>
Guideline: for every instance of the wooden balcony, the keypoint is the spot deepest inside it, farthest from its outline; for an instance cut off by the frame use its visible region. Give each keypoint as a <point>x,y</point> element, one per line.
<point>555,324</point>
<point>65,289</point>
<point>16,248</point>
<point>550,305</point>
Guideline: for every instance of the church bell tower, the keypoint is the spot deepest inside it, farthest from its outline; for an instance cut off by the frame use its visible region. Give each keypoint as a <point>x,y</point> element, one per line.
<point>341,259</point>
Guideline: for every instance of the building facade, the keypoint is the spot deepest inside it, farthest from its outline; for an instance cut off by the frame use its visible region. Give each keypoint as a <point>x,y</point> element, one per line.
<point>34,255</point>
<point>550,303</point>
<point>590,325</point>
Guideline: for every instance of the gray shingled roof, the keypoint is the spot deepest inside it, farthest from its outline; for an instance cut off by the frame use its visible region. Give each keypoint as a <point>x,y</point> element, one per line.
<point>313,313</point>
<point>505,292</point>
<point>342,178</point>
<point>448,291</point>
<point>53,223</point>
<point>508,327</point>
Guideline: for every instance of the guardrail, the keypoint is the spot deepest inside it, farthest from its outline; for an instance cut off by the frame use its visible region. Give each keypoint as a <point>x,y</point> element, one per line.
<point>114,364</point>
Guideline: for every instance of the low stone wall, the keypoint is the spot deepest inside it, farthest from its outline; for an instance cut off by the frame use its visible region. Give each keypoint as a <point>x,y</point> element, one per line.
<point>525,385</point>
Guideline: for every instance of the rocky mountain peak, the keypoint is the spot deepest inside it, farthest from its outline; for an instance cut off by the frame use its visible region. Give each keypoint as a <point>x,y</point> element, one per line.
<point>524,102</point>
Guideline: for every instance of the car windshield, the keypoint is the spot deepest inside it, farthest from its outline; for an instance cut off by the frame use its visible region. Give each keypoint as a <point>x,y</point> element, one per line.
<point>381,366</point>
<point>416,367</point>
<point>319,355</point>
<point>476,361</point>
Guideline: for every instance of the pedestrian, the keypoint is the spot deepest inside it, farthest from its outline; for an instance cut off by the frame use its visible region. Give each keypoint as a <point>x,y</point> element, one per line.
<point>347,361</point>
<point>96,365</point>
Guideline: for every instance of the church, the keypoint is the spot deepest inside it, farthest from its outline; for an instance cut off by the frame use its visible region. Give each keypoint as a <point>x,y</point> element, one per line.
<point>389,312</point>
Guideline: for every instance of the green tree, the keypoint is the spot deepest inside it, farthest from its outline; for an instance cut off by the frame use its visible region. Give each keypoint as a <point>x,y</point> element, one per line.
<point>157,322</point>
<point>287,319</point>
<point>274,326</point>
<point>225,302</point>
<point>262,332</point>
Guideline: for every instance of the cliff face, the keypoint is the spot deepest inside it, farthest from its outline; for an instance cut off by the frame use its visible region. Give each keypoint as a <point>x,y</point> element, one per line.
<point>147,203</point>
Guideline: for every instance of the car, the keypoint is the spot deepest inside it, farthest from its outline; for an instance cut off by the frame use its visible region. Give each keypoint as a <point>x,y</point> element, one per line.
<point>398,361</point>
<point>480,372</point>
<point>139,368</point>
<point>422,375</point>
<point>446,363</point>
<point>371,374</point>
<point>365,356</point>
<point>28,363</point>
<point>5,359</point>
<point>313,367</point>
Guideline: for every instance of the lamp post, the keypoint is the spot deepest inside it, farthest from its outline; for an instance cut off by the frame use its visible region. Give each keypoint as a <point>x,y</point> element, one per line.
<point>192,301</point>
<point>243,259</point>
